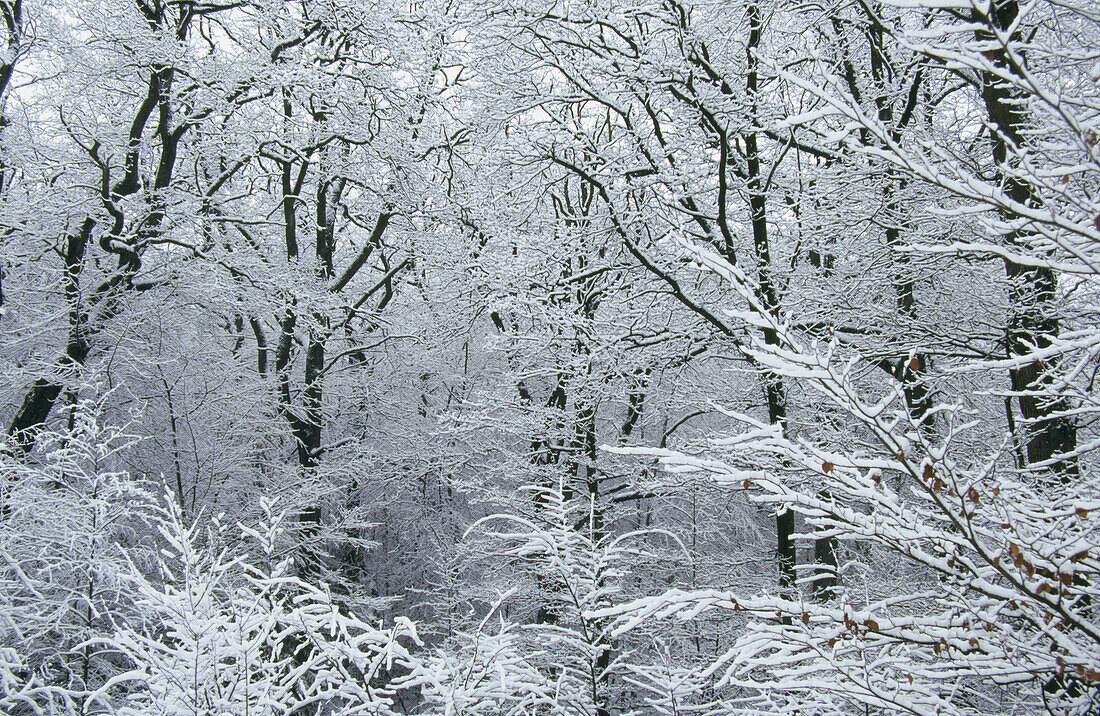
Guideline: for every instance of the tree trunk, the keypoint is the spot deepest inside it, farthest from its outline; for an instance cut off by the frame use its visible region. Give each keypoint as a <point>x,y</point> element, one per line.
<point>773,384</point>
<point>1033,290</point>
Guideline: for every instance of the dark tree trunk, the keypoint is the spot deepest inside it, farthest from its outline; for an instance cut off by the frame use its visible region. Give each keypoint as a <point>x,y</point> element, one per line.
<point>773,384</point>
<point>12,11</point>
<point>42,395</point>
<point>40,399</point>
<point>1033,290</point>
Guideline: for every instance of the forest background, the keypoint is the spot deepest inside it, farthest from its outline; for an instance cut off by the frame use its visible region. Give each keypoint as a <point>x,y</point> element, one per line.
<point>537,357</point>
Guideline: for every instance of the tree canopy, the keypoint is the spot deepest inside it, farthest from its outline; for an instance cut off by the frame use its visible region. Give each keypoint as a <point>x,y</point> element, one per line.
<point>549,357</point>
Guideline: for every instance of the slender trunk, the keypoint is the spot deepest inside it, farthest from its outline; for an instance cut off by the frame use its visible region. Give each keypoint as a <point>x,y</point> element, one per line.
<point>909,371</point>
<point>774,388</point>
